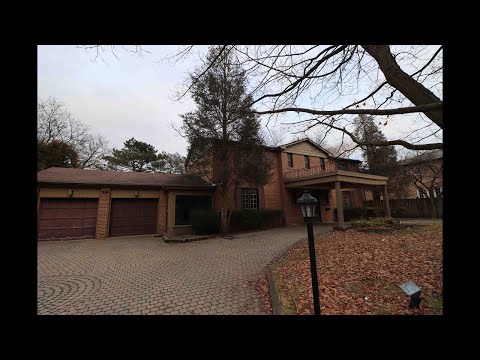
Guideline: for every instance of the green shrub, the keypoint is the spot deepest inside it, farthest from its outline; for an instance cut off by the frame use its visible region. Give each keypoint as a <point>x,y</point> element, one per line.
<point>373,212</point>
<point>204,221</point>
<point>374,222</point>
<point>399,212</point>
<point>352,213</point>
<point>252,219</point>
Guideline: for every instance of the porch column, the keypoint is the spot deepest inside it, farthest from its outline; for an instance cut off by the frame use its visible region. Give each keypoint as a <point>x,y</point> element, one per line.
<point>385,200</point>
<point>338,195</point>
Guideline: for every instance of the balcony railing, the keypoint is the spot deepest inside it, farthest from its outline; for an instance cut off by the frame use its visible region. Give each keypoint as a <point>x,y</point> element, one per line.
<point>314,170</point>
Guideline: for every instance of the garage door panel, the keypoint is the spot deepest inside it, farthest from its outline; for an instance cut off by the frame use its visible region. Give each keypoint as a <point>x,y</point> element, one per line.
<point>133,217</point>
<point>72,213</point>
<point>67,218</point>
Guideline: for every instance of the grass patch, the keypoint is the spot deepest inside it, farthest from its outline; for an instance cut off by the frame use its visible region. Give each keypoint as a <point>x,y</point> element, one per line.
<point>433,305</point>
<point>373,222</point>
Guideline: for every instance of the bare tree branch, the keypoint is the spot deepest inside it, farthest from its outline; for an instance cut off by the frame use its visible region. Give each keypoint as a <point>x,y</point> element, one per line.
<point>404,110</point>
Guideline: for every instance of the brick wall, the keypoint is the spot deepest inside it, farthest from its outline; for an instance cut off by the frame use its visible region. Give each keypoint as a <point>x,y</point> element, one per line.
<point>273,190</point>
<point>103,214</point>
<point>162,208</point>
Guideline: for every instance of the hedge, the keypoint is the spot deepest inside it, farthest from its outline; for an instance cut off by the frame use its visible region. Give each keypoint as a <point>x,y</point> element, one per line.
<point>254,219</point>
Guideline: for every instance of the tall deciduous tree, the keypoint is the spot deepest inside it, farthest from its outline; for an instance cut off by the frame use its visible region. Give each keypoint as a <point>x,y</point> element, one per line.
<point>380,160</point>
<point>56,123</point>
<point>226,147</point>
<point>380,80</point>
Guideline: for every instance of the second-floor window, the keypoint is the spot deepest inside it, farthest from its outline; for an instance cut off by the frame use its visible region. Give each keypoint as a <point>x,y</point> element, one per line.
<point>342,165</point>
<point>249,198</point>
<point>322,164</point>
<point>290,160</point>
<point>306,158</point>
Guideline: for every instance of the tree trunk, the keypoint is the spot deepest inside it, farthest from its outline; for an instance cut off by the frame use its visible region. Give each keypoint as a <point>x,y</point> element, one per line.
<point>225,214</point>
<point>408,86</point>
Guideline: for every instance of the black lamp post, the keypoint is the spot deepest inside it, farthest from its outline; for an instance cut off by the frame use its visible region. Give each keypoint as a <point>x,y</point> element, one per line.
<point>308,203</point>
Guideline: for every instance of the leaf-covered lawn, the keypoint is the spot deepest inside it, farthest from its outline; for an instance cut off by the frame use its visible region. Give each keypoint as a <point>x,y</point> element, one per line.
<point>359,272</point>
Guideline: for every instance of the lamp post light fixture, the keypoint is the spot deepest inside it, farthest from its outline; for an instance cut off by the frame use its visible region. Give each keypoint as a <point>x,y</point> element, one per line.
<point>308,203</point>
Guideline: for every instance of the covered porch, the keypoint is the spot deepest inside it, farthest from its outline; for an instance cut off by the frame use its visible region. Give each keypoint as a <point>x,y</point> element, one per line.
<point>338,180</point>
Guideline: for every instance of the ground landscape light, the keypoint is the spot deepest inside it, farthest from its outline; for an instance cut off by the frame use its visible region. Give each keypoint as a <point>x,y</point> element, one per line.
<point>414,291</point>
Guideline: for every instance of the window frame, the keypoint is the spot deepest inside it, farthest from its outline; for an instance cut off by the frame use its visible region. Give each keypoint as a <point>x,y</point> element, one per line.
<point>350,197</point>
<point>290,160</point>
<point>249,192</point>
<point>322,164</point>
<point>306,161</point>
<point>189,207</point>
<point>342,165</point>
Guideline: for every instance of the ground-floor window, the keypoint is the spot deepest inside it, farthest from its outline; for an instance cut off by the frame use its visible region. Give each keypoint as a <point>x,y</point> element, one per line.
<point>184,204</point>
<point>347,197</point>
<point>249,198</point>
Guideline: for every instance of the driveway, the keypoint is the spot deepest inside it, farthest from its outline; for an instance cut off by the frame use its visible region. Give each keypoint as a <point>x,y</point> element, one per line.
<point>145,275</point>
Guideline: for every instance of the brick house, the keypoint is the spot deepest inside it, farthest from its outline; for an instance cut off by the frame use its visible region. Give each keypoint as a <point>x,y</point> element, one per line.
<point>426,175</point>
<point>75,203</point>
<point>301,165</point>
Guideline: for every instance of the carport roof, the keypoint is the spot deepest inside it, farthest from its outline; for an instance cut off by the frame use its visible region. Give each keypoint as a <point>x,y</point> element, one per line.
<point>57,175</point>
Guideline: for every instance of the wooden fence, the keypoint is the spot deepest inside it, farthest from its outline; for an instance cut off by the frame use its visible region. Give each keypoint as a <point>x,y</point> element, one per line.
<point>410,208</point>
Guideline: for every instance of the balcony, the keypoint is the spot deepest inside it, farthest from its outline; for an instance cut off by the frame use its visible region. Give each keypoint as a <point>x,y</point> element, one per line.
<point>314,170</point>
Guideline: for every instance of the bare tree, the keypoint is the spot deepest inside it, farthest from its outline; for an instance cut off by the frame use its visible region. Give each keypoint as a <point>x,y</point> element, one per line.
<point>397,83</point>
<point>425,169</point>
<point>56,123</point>
<point>344,148</point>
<point>274,136</point>
<point>378,80</point>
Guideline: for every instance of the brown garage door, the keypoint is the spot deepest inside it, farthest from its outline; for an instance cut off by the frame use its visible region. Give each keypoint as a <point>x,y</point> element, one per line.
<point>133,217</point>
<point>67,218</point>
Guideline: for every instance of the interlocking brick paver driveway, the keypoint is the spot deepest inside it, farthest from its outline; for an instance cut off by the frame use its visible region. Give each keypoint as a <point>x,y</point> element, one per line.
<point>144,275</point>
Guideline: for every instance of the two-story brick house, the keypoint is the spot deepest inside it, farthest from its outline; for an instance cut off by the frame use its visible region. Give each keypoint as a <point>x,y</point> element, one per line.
<point>301,165</point>
<point>76,203</point>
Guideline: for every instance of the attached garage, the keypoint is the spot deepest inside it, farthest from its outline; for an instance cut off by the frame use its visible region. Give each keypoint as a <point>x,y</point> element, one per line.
<point>80,203</point>
<point>133,217</point>
<point>67,218</point>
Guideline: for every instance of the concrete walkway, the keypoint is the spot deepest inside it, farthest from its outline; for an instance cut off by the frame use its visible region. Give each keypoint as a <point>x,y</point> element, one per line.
<point>144,275</point>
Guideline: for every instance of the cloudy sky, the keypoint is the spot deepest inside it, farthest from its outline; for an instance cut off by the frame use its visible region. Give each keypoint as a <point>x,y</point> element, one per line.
<point>129,97</point>
<point>133,96</point>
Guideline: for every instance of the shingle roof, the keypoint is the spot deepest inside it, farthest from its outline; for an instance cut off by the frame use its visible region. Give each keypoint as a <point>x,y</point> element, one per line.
<point>57,175</point>
<point>426,156</point>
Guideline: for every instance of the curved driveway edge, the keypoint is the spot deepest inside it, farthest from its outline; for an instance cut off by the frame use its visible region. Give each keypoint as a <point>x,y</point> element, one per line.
<point>144,275</point>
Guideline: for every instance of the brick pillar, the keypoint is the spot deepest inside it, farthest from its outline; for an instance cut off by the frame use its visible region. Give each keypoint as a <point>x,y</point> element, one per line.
<point>386,202</point>
<point>103,214</point>
<point>338,193</point>
<point>163,212</point>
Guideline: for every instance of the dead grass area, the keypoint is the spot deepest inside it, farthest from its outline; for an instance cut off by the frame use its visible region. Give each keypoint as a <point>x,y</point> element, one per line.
<point>359,272</point>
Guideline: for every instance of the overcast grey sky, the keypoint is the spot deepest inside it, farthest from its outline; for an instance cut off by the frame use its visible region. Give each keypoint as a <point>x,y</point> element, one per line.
<point>133,96</point>
<point>130,97</point>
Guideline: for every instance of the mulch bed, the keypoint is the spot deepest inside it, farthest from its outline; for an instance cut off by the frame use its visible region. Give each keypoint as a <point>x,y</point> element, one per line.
<point>359,272</point>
